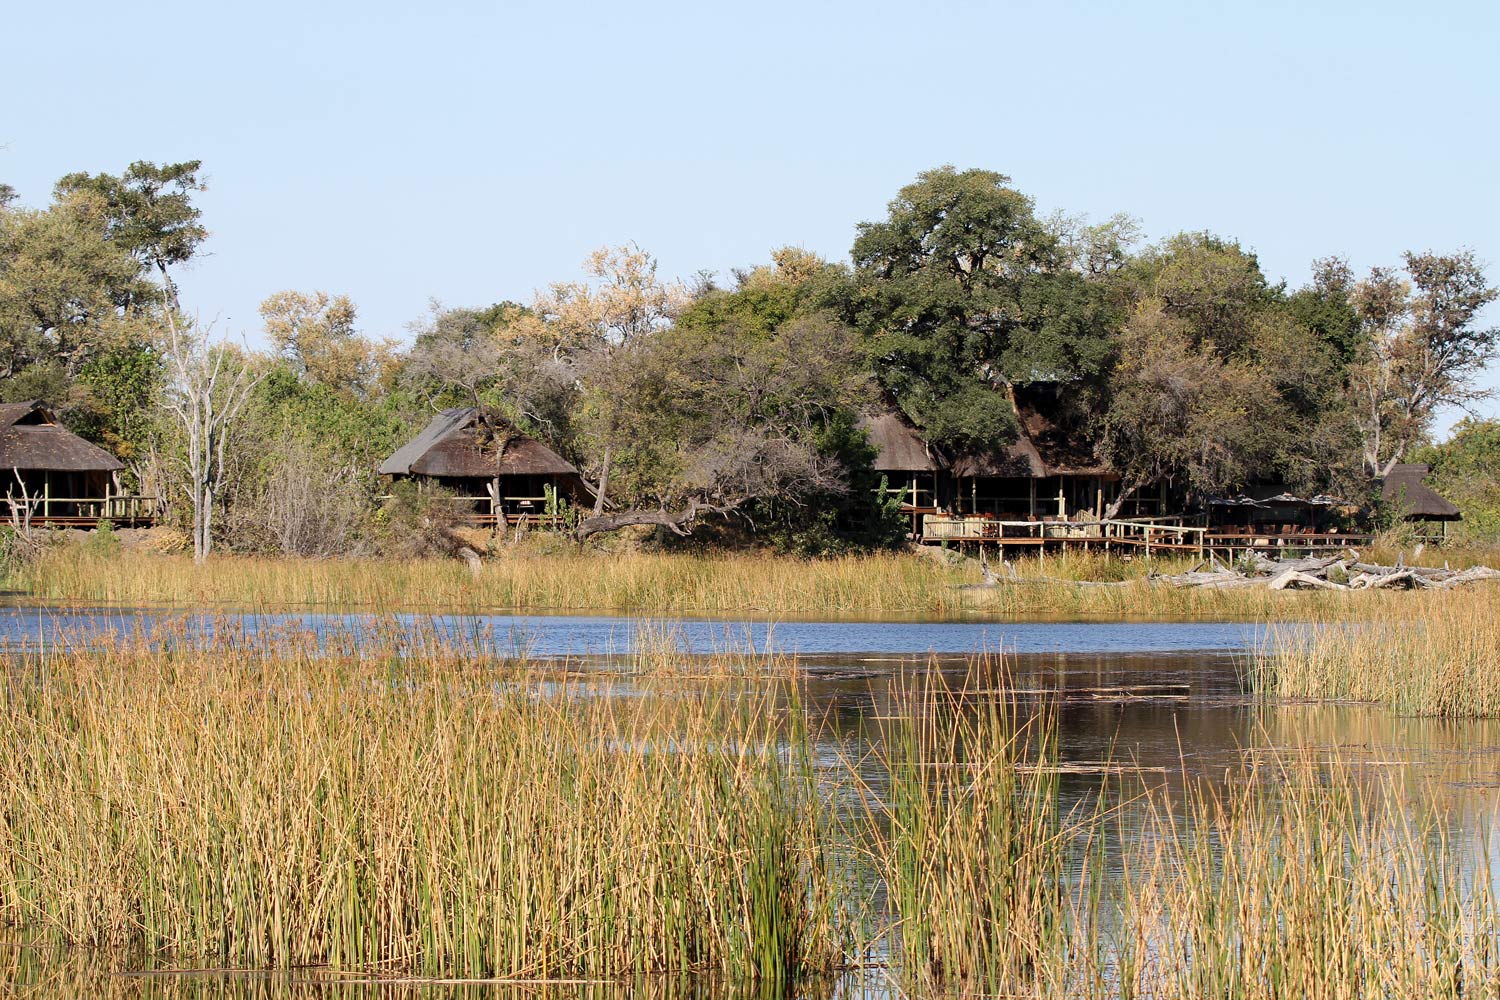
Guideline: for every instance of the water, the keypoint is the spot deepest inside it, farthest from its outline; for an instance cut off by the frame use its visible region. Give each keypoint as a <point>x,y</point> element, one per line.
<point>1166,699</point>
<point>554,636</point>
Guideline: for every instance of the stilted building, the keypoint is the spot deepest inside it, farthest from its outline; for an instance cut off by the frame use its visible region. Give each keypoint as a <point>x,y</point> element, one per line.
<point>496,474</point>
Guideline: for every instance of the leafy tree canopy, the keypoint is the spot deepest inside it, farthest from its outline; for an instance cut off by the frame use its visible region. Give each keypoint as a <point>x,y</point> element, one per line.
<point>962,289</point>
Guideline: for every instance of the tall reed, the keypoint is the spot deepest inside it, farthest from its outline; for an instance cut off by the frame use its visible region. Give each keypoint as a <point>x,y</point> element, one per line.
<point>888,584</point>
<point>970,843</point>
<point>280,809</point>
<point>1436,656</point>
<point>1297,877</point>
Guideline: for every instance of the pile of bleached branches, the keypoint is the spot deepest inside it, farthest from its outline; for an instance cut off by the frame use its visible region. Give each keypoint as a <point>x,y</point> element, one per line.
<point>1340,572</point>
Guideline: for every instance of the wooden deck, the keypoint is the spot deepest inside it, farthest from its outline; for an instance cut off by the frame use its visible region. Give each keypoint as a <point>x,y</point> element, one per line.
<point>82,512</point>
<point>1134,535</point>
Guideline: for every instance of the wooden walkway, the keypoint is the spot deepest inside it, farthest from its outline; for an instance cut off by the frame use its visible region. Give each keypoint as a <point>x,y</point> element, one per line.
<point>1135,535</point>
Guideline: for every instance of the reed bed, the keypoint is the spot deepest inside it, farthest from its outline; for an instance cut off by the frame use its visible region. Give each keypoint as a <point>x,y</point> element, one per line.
<point>567,581</point>
<point>416,809</point>
<point>892,584</point>
<point>1434,657</point>
<point>408,815</point>
<point>1296,878</point>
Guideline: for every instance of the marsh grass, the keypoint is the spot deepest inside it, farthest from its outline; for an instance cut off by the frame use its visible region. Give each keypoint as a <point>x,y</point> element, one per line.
<point>417,810</point>
<point>1297,876</point>
<point>1436,656</point>
<point>892,584</point>
<point>969,842</point>
<point>408,814</point>
<point>637,582</point>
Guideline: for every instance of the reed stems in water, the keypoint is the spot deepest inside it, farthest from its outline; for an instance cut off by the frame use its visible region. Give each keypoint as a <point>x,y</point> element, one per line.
<point>408,814</point>
<point>1435,657</point>
<point>418,809</point>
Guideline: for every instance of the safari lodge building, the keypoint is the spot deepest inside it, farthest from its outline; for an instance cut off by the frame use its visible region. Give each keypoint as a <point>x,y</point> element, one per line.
<point>1048,489</point>
<point>54,478</point>
<point>494,473</point>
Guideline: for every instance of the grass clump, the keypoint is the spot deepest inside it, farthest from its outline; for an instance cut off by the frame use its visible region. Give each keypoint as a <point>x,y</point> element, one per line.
<point>401,814</point>
<point>1435,656</point>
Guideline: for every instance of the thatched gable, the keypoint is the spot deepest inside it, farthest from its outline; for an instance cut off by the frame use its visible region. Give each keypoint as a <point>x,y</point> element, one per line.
<point>456,445</point>
<point>31,439</point>
<point>1418,501</point>
<point>898,446</point>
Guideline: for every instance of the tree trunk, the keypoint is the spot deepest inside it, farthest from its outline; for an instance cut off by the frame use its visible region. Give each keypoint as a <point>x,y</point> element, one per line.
<point>678,522</point>
<point>1127,490</point>
<point>609,451</point>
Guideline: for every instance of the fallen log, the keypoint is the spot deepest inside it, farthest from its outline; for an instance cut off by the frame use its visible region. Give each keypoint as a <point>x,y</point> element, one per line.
<point>1291,579</point>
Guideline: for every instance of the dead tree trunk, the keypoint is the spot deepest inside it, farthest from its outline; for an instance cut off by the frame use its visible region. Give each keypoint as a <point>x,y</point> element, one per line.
<point>678,522</point>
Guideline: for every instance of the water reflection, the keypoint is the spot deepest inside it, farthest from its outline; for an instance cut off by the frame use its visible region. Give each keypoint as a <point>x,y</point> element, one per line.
<point>79,975</point>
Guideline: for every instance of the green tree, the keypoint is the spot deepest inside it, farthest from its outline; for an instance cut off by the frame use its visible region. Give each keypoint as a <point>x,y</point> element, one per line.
<point>962,290</point>
<point>1421,348</point>
<point>1221,378</point>
<point>151,212</point>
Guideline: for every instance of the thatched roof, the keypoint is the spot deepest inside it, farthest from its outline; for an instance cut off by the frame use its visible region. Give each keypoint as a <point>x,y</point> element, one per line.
<point>31,438</point>
<point>456,445</point>
<point>1418,501</point>
<point>898,446</point>
<point>1044,447</point>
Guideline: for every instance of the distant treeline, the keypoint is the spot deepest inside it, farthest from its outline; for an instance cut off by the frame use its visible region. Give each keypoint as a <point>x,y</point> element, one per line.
<point>738,396</point>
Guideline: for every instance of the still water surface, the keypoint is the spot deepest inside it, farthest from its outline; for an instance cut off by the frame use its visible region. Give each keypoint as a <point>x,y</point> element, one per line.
<point>1185,714</point>
<point>555,636</point>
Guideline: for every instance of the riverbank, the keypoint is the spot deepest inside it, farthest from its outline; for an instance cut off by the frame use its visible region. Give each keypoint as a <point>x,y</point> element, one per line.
<point>930,584</point>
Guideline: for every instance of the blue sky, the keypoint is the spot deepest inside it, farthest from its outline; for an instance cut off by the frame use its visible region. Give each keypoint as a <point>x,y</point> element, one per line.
<point>474,152</point>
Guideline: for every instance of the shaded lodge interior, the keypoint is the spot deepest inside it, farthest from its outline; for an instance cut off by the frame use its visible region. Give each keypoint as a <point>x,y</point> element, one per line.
<point>496,473</point>
<point>53,476</point>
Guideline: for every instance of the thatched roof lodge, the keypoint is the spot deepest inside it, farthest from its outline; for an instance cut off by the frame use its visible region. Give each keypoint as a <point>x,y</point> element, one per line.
<point>1052,469</point>
<point>1404,488</point>
<point>495,472</point>
<point>55,476</point>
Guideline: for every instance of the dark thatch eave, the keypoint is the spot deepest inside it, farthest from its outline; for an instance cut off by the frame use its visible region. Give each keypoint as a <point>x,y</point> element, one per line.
<point>1405,489</point>
<point>455,445</point>
<point>898,446</point>
<point>31,439</point>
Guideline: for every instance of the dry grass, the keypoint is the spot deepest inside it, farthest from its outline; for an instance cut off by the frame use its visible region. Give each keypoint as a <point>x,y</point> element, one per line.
<point>1435,656</point>
<point>1297,878</point>
<point>571,581</point>
<point>420,814</point>
<point>420,810</point>
<point>663,583</point>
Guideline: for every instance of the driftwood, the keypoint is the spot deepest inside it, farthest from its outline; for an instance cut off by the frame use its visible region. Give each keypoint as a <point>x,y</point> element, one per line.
<point>1257,570</point>
<point>1315,574</point>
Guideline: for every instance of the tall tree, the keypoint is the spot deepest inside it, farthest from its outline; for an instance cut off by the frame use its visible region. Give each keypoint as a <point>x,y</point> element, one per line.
<point>1220,379</point>
<point>599,325</point>
<point>210,383</point>
<point>152,215</point>
<point>1421,349</point>
<point>316,334</point>
<point>961,290</point>
<point>708,421</point>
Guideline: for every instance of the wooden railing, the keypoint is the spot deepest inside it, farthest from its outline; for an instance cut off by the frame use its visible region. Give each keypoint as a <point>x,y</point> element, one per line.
<point>84,511</point>
<point>1150,534</point>
<point>481,513</point>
